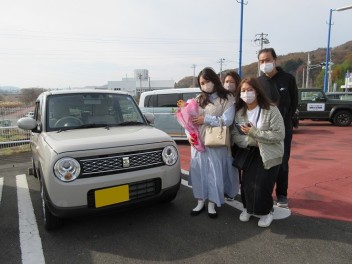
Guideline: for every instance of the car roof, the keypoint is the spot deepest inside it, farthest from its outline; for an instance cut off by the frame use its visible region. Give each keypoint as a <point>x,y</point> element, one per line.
<point>73,91</point>
<point>172,91</point>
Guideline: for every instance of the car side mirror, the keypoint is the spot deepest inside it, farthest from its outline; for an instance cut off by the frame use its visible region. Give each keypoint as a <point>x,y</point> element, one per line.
<point>321,99</point>
<point>149,117</point>
<point>27,123</point>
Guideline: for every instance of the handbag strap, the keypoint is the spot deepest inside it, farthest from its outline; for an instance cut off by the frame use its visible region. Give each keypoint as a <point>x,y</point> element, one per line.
<point>256,123</point>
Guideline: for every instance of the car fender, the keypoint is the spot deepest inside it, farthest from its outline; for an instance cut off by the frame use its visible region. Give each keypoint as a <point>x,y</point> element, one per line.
<point>337,108</point>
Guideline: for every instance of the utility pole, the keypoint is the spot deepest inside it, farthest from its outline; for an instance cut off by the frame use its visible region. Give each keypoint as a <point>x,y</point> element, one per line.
<point>194,75</point>
<point>262,39</point>
<point>308,68</point>
<point>303,78</point>
<point>221,61</point>
<point>241,33</point>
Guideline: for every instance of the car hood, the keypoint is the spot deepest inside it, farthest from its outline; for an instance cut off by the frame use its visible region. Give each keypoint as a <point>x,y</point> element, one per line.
<point>98,138</point>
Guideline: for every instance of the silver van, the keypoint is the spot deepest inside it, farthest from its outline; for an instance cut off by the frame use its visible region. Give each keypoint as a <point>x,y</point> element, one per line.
<point>163,104</point>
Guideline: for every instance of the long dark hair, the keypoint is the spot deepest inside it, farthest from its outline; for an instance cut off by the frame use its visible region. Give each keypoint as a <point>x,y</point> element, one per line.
<point>210,75</point>
<point>262,99</point>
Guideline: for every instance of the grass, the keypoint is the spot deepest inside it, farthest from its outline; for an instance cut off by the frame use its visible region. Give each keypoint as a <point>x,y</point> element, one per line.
<point>14,150</point>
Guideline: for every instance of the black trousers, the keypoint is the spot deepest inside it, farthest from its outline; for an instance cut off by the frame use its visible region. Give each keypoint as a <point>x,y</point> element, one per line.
<point>282,177</point>
<point>257,186</point>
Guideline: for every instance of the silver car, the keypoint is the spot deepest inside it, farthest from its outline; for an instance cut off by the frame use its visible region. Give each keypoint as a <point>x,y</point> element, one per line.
<point>95,151</point>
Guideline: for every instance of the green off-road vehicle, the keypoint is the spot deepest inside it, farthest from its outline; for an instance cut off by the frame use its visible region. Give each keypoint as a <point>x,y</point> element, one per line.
<point>315,105</point>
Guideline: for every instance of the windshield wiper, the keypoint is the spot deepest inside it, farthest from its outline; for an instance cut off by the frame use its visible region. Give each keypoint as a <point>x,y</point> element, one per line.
<point>107,126</point>
<point>92,125</point>
<point>130,123</point>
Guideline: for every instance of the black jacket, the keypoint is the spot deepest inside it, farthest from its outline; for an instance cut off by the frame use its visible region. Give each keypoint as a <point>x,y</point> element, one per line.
<point>282,90</point>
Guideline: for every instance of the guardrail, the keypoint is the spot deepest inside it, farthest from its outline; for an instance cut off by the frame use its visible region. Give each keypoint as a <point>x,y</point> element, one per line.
<point>13,138</point>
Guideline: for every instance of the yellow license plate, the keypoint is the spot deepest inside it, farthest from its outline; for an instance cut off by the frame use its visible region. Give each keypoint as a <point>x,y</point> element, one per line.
<point>111,196</point>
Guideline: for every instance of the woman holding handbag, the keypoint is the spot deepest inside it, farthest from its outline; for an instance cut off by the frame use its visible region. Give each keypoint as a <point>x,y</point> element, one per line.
<point>209,169</point>
<point>259,124</point>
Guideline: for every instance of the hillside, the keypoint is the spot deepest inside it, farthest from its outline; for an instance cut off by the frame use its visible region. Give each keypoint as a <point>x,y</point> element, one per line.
<point>296,63</point>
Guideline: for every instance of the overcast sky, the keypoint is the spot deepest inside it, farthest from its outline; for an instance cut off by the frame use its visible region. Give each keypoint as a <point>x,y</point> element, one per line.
<point>75,43</point>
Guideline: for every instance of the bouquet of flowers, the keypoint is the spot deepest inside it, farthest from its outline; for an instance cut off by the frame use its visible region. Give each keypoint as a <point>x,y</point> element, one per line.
<point>185,112</point>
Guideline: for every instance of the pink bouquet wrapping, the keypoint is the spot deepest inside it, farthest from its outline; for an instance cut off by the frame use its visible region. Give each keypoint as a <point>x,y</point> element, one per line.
<point>185,112</point>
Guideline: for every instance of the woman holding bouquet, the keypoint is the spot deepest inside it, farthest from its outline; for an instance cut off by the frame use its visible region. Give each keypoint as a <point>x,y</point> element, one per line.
<point>209,168</point>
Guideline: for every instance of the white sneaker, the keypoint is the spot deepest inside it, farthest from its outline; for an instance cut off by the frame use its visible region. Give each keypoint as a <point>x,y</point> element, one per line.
<point>244,216</point>
<point>265,220</point>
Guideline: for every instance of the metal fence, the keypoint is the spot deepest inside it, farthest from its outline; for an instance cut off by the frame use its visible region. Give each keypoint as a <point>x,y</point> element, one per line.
<point>12,138</point>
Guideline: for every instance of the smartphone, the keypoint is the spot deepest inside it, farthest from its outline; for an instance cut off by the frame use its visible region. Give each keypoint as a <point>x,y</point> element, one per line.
<point>239,128</point>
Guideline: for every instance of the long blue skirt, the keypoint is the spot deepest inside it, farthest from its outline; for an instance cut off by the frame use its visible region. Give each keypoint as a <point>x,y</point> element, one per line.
<point>212,174</point>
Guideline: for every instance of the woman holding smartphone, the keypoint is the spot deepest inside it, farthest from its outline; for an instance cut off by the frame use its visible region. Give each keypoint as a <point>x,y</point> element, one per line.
<point>259,125</point>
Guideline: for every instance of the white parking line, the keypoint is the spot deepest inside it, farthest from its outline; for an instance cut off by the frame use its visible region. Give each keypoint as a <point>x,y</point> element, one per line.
<point>31,244</point>
<point>1,185</point>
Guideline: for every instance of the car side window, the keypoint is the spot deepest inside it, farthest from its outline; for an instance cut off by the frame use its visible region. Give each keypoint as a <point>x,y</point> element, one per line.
<point>168,100</point>
<point>187,96</point>
<point>150,101</point>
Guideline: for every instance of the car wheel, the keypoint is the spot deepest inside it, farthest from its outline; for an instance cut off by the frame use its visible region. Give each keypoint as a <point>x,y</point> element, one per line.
<point>50,221</point>
<point>342,118</point>
<point>34,170</point>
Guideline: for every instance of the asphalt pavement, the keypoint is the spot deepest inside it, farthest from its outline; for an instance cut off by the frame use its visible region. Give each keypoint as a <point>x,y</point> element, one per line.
<point>166,233</point>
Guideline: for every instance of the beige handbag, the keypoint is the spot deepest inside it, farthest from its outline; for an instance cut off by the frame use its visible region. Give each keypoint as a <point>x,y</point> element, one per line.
<point>217,136</point>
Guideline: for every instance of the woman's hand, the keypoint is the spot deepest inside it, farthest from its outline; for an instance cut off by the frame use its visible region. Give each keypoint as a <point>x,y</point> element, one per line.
<point>199,120</point>
<point>246,127</point>
<point>191,141</point>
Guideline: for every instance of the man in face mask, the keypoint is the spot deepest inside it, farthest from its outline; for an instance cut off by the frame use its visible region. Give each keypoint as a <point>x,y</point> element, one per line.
<point>281,88</point>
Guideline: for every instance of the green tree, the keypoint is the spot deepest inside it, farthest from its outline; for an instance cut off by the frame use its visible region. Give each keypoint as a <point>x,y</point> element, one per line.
<point>319,80</point>
<point>291,66</point>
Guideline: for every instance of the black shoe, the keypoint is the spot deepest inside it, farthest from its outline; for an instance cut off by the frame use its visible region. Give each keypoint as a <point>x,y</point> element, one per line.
<point>228,198</point>
<point>195,213</point>
<point>213,216</point>
<point>282,201</point>
<point>238,198</point>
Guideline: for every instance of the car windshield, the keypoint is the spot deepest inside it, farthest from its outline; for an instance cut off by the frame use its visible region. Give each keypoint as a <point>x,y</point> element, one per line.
<point>89,110</point>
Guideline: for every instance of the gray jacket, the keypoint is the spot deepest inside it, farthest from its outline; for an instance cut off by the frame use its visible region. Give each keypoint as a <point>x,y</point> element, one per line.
<point>269,137</point>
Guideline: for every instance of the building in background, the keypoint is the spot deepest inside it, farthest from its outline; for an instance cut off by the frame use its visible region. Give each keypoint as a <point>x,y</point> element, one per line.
<point>140,82</point>
<point>348,82</point>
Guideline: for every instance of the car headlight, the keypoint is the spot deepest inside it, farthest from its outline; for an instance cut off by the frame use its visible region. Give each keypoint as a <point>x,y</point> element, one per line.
<point>170,155</point>
<point>67,169</point>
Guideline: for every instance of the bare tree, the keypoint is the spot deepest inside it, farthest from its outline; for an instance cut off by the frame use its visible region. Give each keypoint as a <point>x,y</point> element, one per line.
<point>29,95</point>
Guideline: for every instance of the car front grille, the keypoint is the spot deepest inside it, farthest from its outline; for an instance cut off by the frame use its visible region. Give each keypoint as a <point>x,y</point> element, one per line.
<point>137,191</point>
<point>112,164</point>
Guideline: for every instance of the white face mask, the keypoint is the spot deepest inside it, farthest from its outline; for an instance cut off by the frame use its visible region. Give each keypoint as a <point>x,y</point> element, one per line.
<point>248,97</point>
<point>208,87</point>
<point>230,86</point>
<point>267,67</point>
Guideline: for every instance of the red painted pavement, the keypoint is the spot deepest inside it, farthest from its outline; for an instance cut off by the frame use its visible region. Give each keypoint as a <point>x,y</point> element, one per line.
<point>320,179</point>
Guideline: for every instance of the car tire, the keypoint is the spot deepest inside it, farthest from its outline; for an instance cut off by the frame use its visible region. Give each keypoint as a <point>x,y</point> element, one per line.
<point>34,170</point>
<point>51,221</point>
<point>342,118</point>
